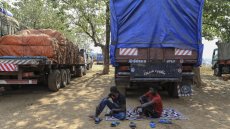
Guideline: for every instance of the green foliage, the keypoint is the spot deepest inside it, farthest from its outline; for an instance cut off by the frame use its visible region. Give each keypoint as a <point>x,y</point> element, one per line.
<point>216,20</point>
<point>88,18</point>
<point>41,14</point>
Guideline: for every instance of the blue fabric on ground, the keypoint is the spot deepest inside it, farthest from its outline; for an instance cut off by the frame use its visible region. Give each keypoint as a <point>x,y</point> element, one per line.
<point>120,116</point>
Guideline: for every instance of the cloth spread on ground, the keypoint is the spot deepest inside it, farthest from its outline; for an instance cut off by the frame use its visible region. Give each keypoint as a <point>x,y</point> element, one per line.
<point>168,113</point>
<point>130,115</point>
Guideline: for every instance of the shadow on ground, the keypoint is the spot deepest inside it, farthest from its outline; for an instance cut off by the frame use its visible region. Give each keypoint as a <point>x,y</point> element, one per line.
<point>37,108</point>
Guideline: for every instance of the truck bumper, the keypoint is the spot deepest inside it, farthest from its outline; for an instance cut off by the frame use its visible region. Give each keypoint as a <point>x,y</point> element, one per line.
<point>15,81</point>
<point>155,79</point>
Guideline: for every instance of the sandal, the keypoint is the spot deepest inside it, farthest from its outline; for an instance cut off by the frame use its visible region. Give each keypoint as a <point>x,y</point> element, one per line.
<point>132,125</point>
<point>114,123</point>
<point>97,120</point>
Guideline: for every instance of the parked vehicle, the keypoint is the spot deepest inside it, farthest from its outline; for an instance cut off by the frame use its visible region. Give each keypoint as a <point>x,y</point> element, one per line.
<point>89,60</point>
<point>156,43</point>
<point>221,59</point>
<point>8,25</point>
<point>100,59</point>
<point>42,56</point>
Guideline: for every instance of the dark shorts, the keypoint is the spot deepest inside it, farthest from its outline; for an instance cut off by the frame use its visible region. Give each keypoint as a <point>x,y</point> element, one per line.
<point>149,110</point>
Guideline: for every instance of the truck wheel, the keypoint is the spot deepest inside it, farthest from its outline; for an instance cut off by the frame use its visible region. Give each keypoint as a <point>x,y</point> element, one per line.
<point>63,78</point>
<point>68,76</point>
<point>217,72</point>
<point>173,90</point>
<point>84,70</point>
<point>88,66</point>
<point>54,80</point>
<point>79,72</point>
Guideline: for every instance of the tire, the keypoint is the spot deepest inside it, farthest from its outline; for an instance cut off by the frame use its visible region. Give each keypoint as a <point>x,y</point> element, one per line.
<point>88,66</point>
<point>173,90</point>
<point>54,80</point>
<point>217,72</point>
<point>63,78</point>
<point>68,76</point>
<point>84,71</point>
<point>79,72</point>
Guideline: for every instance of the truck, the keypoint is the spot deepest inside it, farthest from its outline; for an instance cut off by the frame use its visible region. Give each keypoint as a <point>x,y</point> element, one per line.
<point>41,56</point>
<point>100,59</point>
<point>8,24</point>
<point>221,59</point>
<point>156,43</point>
<point>88,59</point>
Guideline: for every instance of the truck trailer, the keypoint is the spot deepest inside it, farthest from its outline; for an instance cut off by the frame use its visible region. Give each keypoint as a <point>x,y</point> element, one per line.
<point>156,43</point>
<point>41,56</point>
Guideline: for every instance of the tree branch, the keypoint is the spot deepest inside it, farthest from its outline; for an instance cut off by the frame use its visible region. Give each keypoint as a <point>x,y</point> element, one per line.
<point>91,36</point>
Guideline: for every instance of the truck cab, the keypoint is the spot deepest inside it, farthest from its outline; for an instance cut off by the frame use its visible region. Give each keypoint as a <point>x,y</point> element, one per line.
<point>100,59</point>
<point>221,59</point>
<point>89,60</point>
<point>214,57</point>
<point>82,69</point>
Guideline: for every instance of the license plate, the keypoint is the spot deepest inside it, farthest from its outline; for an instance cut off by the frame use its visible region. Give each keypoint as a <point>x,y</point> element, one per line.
<point>156,70</point>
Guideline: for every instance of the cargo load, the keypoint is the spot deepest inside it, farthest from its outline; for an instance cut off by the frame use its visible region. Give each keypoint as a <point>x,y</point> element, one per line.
<point>223,51</point>
<point>43,42</point>
<point>156,43</point>
<point>156,24</point>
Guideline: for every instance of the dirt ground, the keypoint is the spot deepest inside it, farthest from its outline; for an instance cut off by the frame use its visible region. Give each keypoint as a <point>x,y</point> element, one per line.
<point>36,108</point>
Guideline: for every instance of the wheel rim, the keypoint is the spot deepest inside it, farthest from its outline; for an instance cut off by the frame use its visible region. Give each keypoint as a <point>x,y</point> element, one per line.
<point>186,89</point>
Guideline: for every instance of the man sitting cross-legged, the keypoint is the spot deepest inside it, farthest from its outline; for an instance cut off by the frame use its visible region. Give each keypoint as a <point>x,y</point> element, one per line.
<point>117,105</point>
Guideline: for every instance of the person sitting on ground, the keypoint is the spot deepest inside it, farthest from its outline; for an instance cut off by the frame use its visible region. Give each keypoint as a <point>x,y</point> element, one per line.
<point>151,104</point>
<point>117,106</point>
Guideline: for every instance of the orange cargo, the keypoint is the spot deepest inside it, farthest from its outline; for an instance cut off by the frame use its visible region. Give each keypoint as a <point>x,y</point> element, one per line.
<point>52,33</point>
<point>43,42</point>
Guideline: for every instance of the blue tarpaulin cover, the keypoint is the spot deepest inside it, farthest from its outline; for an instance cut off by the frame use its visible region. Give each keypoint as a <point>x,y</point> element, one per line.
<point>156,23</point>
<point>6,12</point>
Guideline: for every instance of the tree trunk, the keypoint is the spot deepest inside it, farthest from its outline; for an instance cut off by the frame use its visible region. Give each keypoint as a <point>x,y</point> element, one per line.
<point>106,60</point>
<point>105,49</point>
<point>197,78</point>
